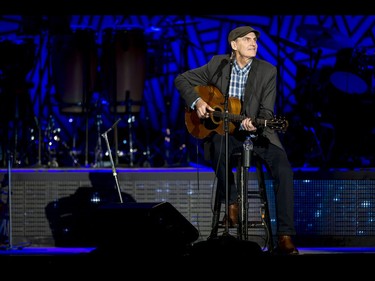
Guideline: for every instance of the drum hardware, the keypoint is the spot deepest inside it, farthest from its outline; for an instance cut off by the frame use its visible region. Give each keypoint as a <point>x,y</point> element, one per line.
<point>56,147</point>
<point>51,139</point>
<point>39,163</point>
<point>98,148</point>
<point>131,120</point>
<point>74,68</point>
<point>167,145</point>
<point>151,154</point>
<point>130,150</point>
<point>319,153</point>
<point>123,71</point>
<point>366,61</point>
<point>72,153</point>
<point>129,140</point>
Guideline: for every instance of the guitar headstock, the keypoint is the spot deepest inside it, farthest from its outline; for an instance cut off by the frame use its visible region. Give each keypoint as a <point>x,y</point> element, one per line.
<point>276,123</point>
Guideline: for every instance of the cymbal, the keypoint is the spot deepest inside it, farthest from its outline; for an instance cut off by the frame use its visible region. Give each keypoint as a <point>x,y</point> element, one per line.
<point>322,37</point>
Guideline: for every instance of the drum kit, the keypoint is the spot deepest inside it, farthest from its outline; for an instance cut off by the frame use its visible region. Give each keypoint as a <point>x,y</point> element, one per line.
<point>348,81</point>
<point>16,60</point>
<point>83,66</point>
<point>110,64</point>
<point>347,76</point>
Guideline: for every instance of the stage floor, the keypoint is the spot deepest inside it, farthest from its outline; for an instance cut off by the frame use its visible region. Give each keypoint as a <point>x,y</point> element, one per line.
<point>69,262</point>
<point>73,251</point>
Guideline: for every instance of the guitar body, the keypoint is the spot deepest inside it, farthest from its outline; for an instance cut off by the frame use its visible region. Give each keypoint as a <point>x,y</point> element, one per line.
<point>202,128</point>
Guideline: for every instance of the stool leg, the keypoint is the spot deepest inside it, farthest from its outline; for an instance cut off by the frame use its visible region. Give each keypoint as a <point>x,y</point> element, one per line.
<point>215,217</point>
<point>263,196</point>
<point>243,203</point>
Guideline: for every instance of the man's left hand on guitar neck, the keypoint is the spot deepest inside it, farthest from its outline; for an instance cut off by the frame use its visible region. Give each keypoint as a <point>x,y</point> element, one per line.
<point>247,125</point>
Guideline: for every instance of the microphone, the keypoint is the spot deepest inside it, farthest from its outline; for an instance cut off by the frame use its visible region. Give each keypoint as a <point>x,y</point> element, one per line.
<point>232,56</point>
<point>219,70</point>
<point>114,124</point>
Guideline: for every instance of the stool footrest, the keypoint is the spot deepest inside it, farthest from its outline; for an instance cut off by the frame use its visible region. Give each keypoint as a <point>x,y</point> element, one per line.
<point>245,199</point>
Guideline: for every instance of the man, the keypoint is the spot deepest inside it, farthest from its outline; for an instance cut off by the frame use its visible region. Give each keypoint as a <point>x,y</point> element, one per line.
<point>243,77</point>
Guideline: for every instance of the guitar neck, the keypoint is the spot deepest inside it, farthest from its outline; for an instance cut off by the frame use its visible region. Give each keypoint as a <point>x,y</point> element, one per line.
<point>231,117</point>
<point>276,124</point>
<point>238,118</point>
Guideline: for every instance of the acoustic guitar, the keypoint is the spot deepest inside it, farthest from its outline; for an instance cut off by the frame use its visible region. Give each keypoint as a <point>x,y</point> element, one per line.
<point>202,128</point>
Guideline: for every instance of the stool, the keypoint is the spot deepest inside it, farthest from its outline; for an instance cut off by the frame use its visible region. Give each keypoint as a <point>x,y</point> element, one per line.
<point>243,199</point>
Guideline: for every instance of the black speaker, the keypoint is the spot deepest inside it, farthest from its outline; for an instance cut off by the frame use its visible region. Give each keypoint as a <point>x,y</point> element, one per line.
<point>142,229</point>
<point>70,218</point>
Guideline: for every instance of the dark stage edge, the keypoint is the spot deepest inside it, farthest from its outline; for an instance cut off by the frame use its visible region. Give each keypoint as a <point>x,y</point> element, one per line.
<point>242,257</point>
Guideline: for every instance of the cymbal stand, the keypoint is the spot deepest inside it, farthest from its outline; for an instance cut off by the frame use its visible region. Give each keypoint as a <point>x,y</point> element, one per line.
<point>114,172</point>
<point>131,119</point>
<point>39,163</point>
<point>98,148</point>
<point>50,131</point>
<point>147,153</point>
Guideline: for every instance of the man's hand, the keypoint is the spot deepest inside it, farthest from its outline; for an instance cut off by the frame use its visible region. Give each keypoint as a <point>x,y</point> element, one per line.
<point>203,109</point>
<point>247,125</point>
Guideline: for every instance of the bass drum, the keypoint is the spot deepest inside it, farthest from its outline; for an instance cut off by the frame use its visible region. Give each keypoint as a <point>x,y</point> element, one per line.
<point>74,69</point>
<point>123,68</point>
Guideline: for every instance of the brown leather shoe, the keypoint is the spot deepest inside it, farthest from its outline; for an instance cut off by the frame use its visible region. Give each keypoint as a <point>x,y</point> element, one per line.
<point>233,215</point>
<point>286,246</point>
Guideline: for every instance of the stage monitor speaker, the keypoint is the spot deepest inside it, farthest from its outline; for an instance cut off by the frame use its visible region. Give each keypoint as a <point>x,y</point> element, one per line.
<point>143,228</point>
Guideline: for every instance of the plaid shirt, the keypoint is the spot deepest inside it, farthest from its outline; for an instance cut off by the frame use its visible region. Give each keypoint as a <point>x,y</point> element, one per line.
<point>238,80</point>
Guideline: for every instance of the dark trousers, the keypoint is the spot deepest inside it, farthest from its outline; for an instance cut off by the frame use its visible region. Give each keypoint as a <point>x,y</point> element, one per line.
<point>278,165</point>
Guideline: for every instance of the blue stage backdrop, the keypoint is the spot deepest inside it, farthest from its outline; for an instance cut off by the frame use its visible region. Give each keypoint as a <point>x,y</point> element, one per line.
<point>66,79</point>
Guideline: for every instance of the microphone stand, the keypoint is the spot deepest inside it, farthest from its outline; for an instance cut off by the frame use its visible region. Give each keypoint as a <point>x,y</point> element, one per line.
<point>226,132</point>
<point>114,172</point>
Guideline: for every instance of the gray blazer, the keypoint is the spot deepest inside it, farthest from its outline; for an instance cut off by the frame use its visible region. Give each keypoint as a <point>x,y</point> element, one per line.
<point>260,90</point>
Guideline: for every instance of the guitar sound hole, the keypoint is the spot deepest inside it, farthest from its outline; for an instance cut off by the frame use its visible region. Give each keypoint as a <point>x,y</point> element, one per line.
<point>217,117</point>
<point>209,124</point>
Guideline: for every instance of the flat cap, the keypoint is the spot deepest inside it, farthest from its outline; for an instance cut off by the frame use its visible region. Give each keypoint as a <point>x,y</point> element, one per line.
<point>240,32</point>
